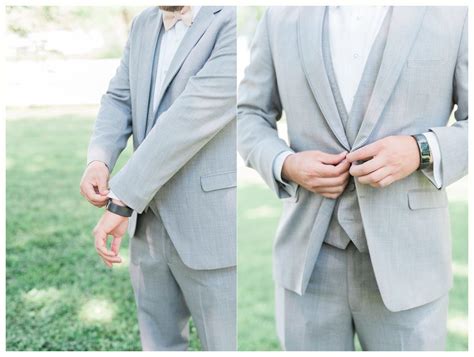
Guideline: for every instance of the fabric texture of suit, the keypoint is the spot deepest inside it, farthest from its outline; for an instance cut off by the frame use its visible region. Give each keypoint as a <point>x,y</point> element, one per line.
<point>423,74</point>
<point>181,178</point>
<point>168,292</point>
<point>342,298</point>
<point>184,161</point>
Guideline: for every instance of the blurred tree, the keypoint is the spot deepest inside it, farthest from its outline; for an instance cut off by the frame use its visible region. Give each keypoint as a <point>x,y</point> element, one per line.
<point>111,22</point>
<point>247,20</point>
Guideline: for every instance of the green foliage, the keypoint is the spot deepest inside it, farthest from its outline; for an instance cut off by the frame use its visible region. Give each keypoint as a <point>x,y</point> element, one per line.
<point>248,18</point>
<point>60,296</point>
<point>111,22</point>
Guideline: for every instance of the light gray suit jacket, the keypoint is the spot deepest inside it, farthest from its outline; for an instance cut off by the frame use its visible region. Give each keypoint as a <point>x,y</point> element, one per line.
<point>183,166</point>
<point>423,74</point>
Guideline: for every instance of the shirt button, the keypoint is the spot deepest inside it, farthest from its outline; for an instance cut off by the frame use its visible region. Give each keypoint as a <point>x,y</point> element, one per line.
<point>356,56</point>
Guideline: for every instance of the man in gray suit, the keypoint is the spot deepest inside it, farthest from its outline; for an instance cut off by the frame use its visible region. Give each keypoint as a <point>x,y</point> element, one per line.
<point>363,244</point>
<point>174,92</point>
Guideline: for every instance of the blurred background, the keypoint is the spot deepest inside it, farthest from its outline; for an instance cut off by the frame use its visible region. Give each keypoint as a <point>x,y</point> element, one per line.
<point>60,296</point>
<point>258,213</point>
<point>63,55</point>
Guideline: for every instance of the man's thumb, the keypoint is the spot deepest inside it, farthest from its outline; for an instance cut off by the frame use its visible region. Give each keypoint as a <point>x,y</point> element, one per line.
<point>102,186</point>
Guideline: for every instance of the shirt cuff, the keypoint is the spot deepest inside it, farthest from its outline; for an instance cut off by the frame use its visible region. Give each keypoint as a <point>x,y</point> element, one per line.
<point>113,196</point>
<point>91,161</point>
<point>433,173</point>
<point>288,186</point>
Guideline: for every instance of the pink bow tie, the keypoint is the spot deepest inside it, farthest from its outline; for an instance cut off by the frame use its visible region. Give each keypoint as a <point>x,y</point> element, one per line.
<point>170,18</point>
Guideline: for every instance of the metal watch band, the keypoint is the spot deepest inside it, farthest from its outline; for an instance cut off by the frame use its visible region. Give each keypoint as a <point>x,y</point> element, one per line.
<point>117,209</point>
<point>425,152</point>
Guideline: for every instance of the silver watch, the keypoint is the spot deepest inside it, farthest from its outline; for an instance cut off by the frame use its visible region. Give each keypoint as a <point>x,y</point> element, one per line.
<point>426,159</point>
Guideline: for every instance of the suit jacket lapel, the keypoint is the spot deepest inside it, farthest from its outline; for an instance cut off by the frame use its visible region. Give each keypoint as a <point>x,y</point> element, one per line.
<point>200,24</point>
<point>404,27</point>
<point>310,30</point>
<point>145,63</point>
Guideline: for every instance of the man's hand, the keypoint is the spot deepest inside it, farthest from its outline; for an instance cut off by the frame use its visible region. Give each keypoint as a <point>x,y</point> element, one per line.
<point>318,172</point>
<point>94,183</point>
<point>110,224</point>
<point>387,160</point>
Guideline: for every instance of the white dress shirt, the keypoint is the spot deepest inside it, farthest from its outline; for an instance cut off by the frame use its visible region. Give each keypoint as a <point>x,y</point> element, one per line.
<point>170,42</point>
<point>352,31</point>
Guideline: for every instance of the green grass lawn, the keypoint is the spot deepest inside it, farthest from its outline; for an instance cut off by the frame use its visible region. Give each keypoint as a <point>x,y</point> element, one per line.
<point>258,214</point>
<point>60,296</point>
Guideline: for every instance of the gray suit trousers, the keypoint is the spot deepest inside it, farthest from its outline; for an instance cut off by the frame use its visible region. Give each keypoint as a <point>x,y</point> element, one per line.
<point>342,299</point>
<point>168,293</point>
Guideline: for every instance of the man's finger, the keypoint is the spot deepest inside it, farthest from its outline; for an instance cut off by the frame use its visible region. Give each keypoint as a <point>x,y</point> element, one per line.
<point>367,167</point>
<point>374,177</point>
<point>100,199</point>
<point>115,247</point>
<point>109,259</point>
<point>102,186</point>
<point>93,197</point>
<point>331,181</point>
<point>331,170</point>
<point>364,153</point>
<point>98,204</point>
<point>388,180</point>
<point>334,189</point>
<point>332,159</point>
<point>107,263</point>
<point>101,243</point>
<point>343,167</point>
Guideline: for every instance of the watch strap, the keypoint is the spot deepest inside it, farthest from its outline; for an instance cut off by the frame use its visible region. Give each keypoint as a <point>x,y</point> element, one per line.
<point>117,209</point>
<point>424,150</point>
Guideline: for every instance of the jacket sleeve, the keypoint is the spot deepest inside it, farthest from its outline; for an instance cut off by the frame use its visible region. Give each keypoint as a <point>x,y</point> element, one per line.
<point>113,125</point>
<point>202,110</point>
<point>258,110</point>
<point>453,140</point>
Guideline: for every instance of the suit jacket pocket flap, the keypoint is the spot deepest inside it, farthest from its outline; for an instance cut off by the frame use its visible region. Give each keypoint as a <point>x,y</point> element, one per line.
<point>419,199</point>
<point>219,181</point>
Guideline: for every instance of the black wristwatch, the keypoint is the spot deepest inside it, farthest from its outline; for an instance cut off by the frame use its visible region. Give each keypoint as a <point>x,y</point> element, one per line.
<point>123,211</point>
<point>426,160</point>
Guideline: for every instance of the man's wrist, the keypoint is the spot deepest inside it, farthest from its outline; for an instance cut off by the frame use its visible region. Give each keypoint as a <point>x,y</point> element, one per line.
<point>286,168</point>
<point>278,166</point>
<point>98,162</point>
